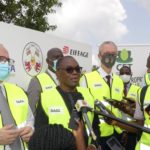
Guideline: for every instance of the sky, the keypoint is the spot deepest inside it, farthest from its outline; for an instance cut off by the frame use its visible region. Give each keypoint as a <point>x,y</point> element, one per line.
<point>94,21</point>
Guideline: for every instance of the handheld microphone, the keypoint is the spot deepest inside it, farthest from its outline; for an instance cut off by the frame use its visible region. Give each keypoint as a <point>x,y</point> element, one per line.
<point>101,106</point>
<point>82,106</point>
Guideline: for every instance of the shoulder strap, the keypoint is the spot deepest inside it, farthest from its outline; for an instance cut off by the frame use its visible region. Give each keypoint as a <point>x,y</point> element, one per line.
<point>142,96</point>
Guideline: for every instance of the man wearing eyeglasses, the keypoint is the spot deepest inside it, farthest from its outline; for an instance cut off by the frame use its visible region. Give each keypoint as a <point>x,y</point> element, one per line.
<point>102,82</point>
<point>57,106</point>
<point>46,80</point>
<point>16,118</point>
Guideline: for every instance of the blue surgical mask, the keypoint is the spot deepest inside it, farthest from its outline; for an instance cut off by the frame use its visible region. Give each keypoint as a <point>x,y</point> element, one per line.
<point>54,64</point>
<point>4,71</point>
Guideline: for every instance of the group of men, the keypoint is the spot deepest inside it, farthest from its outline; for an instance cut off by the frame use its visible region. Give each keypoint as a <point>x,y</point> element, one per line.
<point>53,95</point>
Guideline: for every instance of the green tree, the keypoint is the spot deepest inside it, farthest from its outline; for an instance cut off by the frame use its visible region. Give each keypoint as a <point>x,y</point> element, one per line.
<point>28,13</point>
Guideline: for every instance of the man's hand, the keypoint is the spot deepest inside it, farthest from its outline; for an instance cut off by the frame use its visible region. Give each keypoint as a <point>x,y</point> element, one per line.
<point>8,134</point>
<point>26,133</point>
<point>79,136</point>
<point>79,131</point>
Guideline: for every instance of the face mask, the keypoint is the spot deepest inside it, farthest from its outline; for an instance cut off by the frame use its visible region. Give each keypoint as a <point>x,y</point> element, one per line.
<point>108,60</point>
<point>4,71</point>
<point>125,78</point>
<point>54,64</point>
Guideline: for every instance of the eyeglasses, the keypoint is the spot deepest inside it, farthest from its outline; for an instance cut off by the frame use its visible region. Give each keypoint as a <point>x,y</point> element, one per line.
<point>4,60</point>
<point>70,69</point>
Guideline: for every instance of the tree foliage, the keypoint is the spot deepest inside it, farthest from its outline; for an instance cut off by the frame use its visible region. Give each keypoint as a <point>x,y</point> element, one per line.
<point>28,13</point>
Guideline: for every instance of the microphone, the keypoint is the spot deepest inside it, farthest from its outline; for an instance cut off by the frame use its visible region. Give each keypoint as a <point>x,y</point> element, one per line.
<point>101,106</point>
<point>82,106</point>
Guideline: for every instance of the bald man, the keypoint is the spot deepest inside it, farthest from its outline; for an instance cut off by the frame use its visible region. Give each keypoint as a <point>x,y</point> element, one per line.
<point>16,118</point>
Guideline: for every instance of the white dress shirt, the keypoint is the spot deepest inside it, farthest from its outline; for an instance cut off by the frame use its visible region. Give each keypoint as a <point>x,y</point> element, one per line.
<point>103,75</point>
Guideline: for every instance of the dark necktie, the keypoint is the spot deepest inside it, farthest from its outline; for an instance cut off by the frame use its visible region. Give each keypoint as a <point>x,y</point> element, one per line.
<point>108,80</point>
<point>125,90</point>
<point>7,119</point>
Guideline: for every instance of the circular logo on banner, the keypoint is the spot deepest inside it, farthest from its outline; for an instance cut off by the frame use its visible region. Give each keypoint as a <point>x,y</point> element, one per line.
<point>32,59</point>
<point>124,56</point>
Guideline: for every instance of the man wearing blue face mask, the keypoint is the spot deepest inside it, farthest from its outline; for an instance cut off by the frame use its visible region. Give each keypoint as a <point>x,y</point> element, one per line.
<point>4,65</point>
<point>46,80</point>
<point>103,83</point>
<point>16,118</point>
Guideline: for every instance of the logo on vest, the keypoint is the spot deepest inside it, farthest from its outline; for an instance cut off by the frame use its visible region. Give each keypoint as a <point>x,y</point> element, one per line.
<point>56,110</point>
<point>117,90</point>
<point>19,101</point>
<point>133,95</point>
<point>97,85</point>
<point>48,87</point>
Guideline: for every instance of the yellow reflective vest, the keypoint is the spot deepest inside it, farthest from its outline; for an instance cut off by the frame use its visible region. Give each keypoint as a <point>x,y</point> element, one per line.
<point>147,78</point>
<point>55,108</point>
<point>144,142</point>
<point>18,104</point>
<point>46,81</point>
<point>132,92</point>
<point>99,88</point>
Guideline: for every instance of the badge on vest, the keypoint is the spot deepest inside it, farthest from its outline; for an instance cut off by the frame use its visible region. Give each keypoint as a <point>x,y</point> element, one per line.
<point>56,110</point>
<point>133,95</point>
<point>19,101</point>
<point>97,85</point>
<point>48,87</point>
<point>117,90</point>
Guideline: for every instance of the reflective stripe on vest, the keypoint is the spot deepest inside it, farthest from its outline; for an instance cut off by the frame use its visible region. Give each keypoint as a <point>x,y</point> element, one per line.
<point>46,81</point>
<point>99,88</point>
<point>18,103</point>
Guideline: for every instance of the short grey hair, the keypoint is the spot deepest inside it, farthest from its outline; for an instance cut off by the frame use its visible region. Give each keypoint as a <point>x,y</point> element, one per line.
<point>105,43</point>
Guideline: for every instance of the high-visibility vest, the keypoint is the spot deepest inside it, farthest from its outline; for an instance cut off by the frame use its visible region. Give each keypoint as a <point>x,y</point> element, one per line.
<point>147,78</point>
<point>99,88</point>
<point>18,104</point>
<point>144,142</point>
<point>55,107</point>
<point>46,81</point>
<point>132,92</point>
